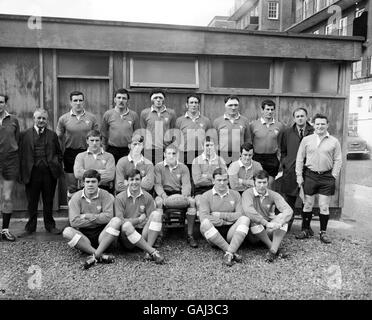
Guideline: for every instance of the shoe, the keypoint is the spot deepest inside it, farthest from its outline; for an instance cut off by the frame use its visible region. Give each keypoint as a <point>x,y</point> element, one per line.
<point>282,254</point>
<point>90,262</point>
<point>324,237</point>
<point>192,242</point>
<point>155,256</point>
<point>237,258</point>
<point>54,230</point>
<point>228,259</point>
<point>158,242</point>
<point>105,258</point>
<point>304,234</point>
<point>7,236</point>
<point>270,256</point>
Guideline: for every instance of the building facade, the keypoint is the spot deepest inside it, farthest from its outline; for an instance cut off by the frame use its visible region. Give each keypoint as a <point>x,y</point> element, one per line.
<point>345,18</point>
<point>264,15</point>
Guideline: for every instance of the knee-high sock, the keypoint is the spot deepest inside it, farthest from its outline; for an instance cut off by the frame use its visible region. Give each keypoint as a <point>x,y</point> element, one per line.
<point>306,218</point>
<point>213,236</point>
<point>264,238</point>
<point>323,218</point>
<point>278,236</point>
<point>190,223</point>
<point>154,230</point>
<point>6,220</point>
<point>238,237</point>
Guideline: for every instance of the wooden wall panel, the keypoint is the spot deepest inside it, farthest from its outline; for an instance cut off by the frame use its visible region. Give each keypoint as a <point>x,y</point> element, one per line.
<point>19,79</point>
<point>95,92</point>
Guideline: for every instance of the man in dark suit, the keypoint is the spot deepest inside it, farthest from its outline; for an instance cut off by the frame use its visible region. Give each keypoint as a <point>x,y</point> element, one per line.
<point>290,142</point>
<point>41,166</point>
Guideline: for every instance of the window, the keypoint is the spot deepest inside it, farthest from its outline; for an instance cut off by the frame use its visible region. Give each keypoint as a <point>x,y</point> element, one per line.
<point>316,32</point>
<point>254,12</point>
<point>316,5</point>
<point>357,69</point>
<point>305,9</point>
<point>343,27</point>
<point>353,125</point>
<point>328,29</point>
<point>83,64</point>
<point>273,10</point>
<point>174,72</point>
<point>359,102</point>
<point>308,77</point>
<point>370,104</point>
<point>240,73</point>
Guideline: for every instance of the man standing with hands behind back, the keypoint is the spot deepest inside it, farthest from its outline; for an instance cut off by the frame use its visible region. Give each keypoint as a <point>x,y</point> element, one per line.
<point>41,166</point>
<point>318,174</point>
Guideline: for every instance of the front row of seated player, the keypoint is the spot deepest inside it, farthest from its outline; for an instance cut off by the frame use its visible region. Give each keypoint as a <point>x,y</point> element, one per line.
<point>137,222</point>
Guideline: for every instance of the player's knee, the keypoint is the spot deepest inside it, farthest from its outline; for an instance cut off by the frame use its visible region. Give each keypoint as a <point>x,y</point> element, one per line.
<point>127,228</point>
<point>156,216</point>
<point>308,206</point>
<point>68,233</point>
<point>115,222</point>
<point>192,202</point>
<point>205,225</point>
<point>323,209</point>
<point>159,202</point>
<point>244,220</point>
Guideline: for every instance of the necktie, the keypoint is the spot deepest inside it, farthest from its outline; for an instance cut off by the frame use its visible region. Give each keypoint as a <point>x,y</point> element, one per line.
<point>301,133</point>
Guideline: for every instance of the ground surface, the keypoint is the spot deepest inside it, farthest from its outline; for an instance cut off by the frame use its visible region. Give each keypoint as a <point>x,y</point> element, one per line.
<point>44,267</point>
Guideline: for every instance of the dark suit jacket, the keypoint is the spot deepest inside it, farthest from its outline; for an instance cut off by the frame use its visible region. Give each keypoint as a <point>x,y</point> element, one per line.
<point>290,142</point>
<point>26,154</point>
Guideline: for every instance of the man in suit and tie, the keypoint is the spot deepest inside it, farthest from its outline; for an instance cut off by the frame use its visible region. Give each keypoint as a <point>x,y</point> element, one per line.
<point>41,166</point>
<point>289,144</point>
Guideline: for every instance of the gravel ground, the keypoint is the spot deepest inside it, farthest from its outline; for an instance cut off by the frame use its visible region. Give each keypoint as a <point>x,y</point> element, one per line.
<point>314,271</point>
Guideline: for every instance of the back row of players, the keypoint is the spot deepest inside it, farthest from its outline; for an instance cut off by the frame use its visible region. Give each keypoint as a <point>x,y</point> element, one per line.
<point>123,144</point>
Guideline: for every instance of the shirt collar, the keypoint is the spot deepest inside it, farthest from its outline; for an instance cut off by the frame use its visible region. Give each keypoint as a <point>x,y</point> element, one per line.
<point>167,165</point>
<point>80,115</point>
<point>131,196</point>
<point>6,114</point>
<point>263,121</point>
<point>122,114</point>
<point>37,130</point>
<point>86,198</point>
<point>187,115</point>
<point>256,194</point>
<point>153,109</point>
<point>204,157</point>
<point>214,191</point>
<point>132,160</point>
<point>241,164</point>
<point>100,152</point>
<point>226,117</point>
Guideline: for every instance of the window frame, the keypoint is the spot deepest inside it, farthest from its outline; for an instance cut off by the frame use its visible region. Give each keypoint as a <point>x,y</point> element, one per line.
<point>134,84</point>
<point>227,90</point>
<point>276,10</point>
<point>342,27</point>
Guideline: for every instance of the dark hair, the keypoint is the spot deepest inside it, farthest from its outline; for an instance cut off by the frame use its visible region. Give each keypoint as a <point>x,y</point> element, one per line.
<point>193,95</point>
<point>131,174</point>
<point>121,91</point>
<point>76,93</point>
<point>6,98</point>
<point>298,109</point>
<point>262,174</point>
<point>171,146</point>
<point>91,173</point>
<point>319,116</point>
<point>246,146</point>
<point>231,98</point>
<point>219,171</point>
<point>157,90</point>
<point>94,133</point>
<point>267,102</point>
